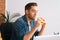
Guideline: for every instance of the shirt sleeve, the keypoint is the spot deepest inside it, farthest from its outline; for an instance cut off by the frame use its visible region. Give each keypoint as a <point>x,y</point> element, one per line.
<point>18,30</point>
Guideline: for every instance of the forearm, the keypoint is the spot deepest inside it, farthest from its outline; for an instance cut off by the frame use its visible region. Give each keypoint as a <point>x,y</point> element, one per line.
<point>31,33</point>
<point>42,30</point>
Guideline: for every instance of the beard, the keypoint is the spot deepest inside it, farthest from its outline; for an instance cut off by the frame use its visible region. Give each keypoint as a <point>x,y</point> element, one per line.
<point>31,17</point>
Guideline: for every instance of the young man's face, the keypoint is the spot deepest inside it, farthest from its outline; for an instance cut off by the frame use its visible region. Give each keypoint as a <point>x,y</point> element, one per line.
<point>32,12</point>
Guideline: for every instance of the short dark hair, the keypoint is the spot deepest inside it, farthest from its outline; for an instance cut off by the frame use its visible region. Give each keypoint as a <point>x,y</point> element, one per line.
<point>28,6</point>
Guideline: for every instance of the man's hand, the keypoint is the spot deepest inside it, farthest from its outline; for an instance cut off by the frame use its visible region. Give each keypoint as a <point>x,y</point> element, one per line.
<point>43,23</point>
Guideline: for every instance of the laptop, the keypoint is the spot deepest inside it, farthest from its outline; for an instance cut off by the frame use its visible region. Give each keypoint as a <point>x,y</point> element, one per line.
<point>47,37</point>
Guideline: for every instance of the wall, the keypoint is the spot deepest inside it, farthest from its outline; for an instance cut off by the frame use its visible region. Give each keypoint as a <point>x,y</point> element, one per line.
<point>2,6</point>
<point>48,9</point>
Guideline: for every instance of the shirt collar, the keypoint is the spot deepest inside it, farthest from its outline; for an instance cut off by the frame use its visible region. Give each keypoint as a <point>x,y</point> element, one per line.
<point>24,18</point>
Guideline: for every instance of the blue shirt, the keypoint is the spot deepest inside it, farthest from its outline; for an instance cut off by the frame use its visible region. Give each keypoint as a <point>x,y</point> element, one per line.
<point>21,28</point>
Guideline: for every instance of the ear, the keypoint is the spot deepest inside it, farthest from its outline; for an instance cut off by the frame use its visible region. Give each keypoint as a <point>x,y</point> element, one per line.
<point>26,11</point>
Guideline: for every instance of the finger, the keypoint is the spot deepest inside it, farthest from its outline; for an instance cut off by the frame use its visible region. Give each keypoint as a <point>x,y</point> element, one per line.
<point>42,19</point>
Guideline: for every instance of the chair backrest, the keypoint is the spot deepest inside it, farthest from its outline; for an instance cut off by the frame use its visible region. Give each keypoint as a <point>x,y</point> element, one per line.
<point>6,30</point>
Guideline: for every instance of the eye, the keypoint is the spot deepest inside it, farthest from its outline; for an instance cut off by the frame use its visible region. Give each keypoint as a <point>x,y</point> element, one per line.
<point>33,11</point>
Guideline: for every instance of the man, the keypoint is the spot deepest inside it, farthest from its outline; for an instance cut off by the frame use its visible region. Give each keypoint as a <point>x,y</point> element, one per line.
<point>25,28</point>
